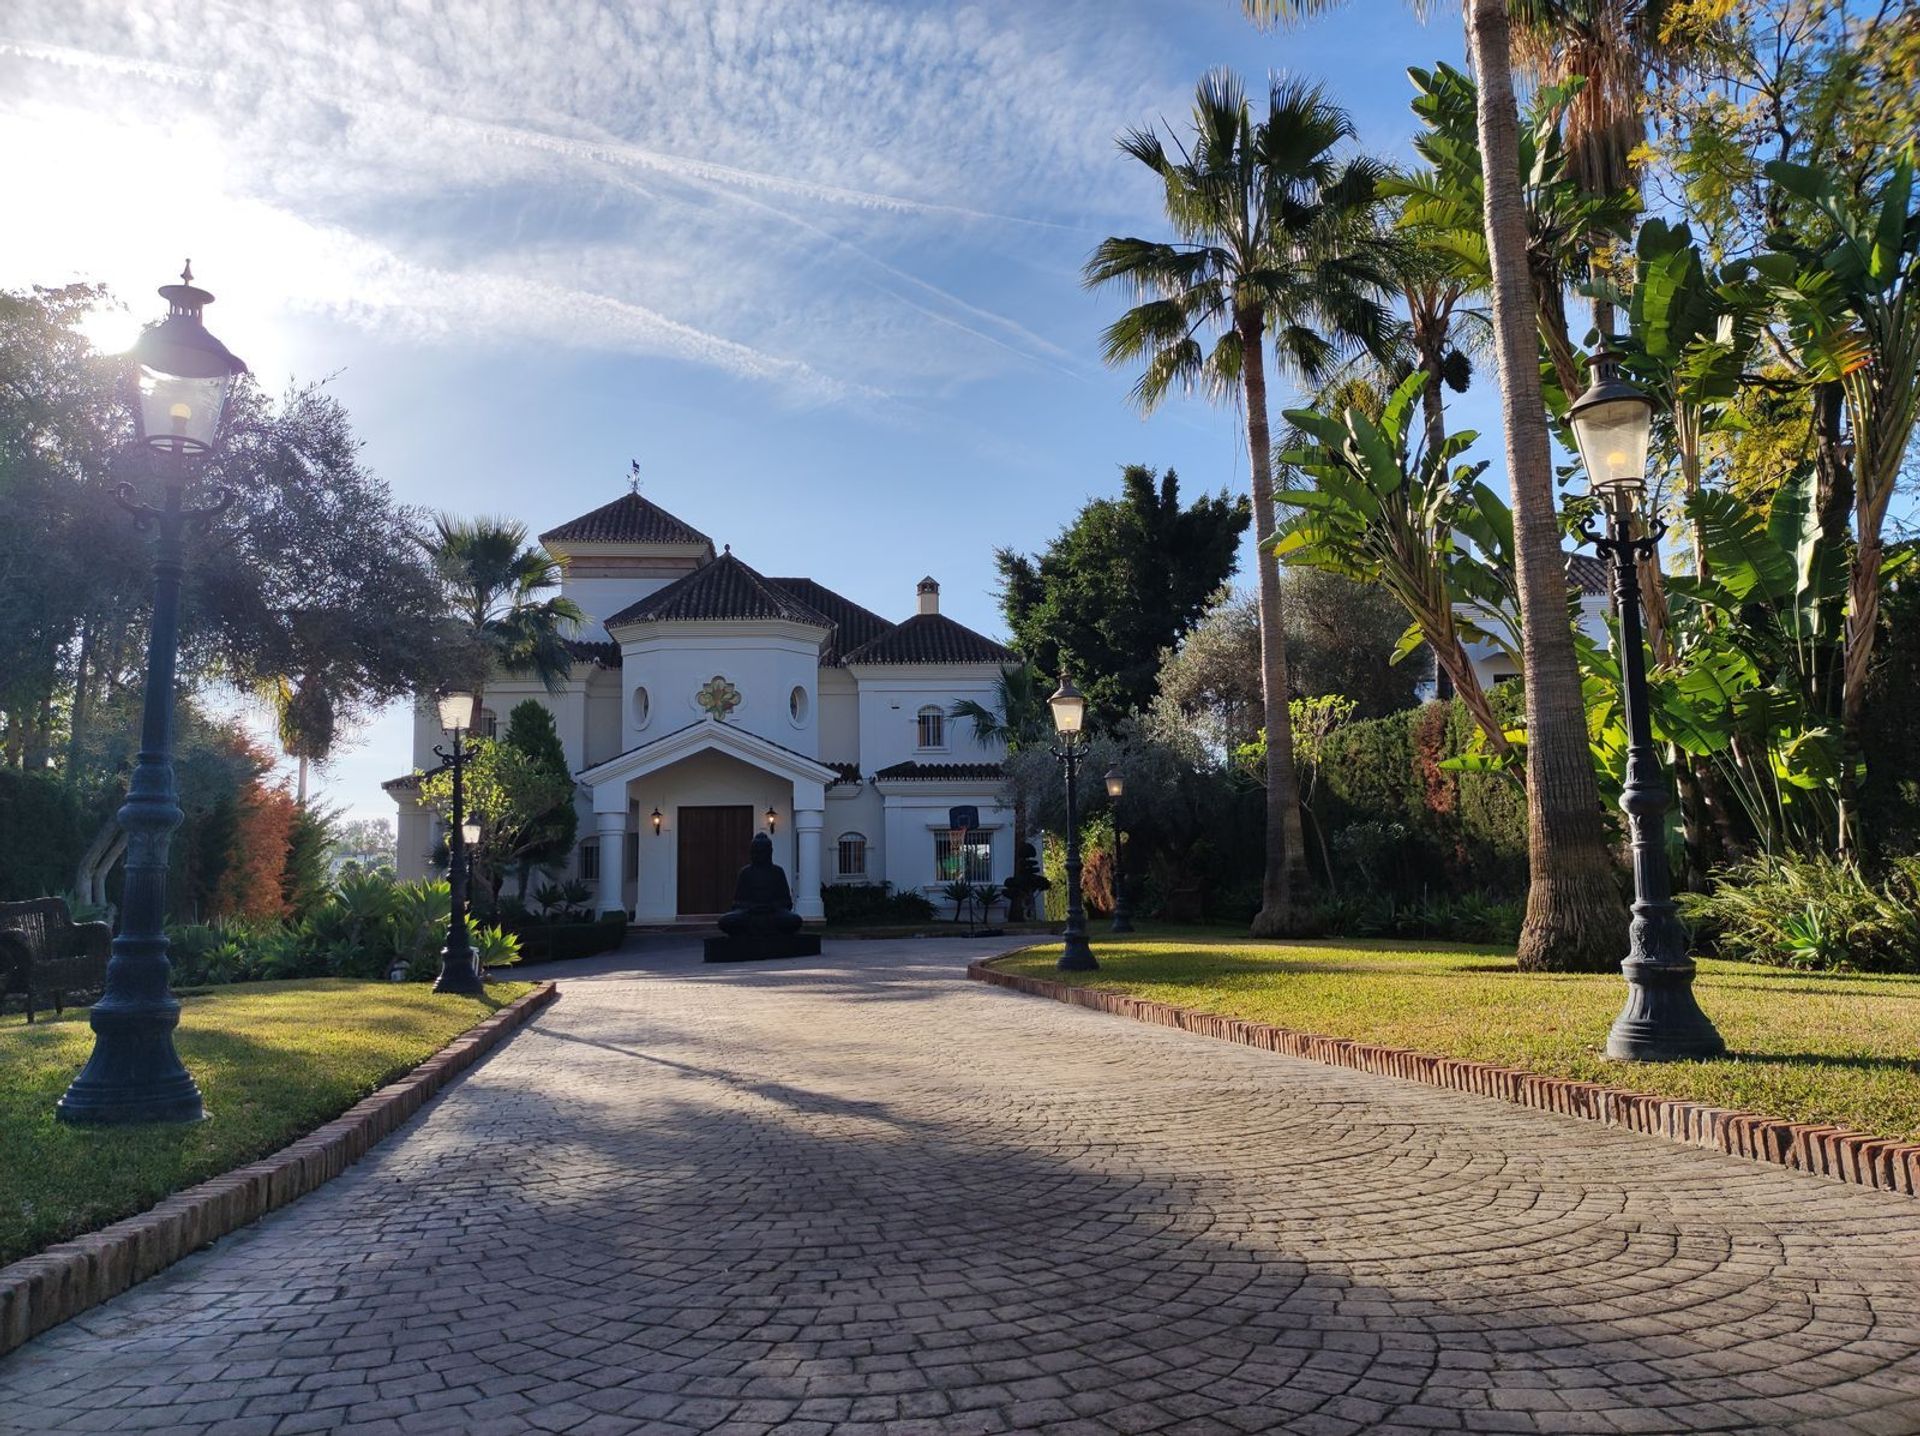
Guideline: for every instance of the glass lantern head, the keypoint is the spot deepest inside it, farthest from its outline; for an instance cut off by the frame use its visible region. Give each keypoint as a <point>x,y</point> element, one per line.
<point>1069,708</point>
<point>1116,783</point>
<point>184,376</point>
<point>1612,424</point>
<point>470,830</point>
<point>456,711</point>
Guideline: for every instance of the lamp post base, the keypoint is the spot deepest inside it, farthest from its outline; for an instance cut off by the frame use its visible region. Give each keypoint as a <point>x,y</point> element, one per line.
<point>134,1076</point>
<point>460,973</point>
<point>1076,954</point>
<point>1661,1021</point>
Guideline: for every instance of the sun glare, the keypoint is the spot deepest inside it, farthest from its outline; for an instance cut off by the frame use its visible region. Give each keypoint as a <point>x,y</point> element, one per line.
<point>110,328</point>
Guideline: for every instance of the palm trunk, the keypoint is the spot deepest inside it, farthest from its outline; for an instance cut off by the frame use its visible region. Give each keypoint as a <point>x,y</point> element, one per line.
<point>77,723</point>
<point>1576,921</point>
<point>1286,841</point>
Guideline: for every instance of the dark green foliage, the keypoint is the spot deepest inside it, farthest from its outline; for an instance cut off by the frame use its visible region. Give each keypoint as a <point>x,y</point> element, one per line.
<point>1340,639</point>
<point>1819,913</point>
<point>306,876</point>
<point>560,941</point>
<point>1436,915</point>
<point>875,903</point>
<point>531,729</point>
<point>43,829</point>
<point>1889,736</point>
<point>1419,825</point>
<point>1126,579</point>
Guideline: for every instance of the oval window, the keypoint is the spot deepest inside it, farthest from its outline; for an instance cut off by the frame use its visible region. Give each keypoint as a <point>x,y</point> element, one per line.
<point>797,705</point>
<point>642,708</point>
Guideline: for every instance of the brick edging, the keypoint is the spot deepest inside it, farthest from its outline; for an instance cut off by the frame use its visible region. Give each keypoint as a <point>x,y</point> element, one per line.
<point>42,1291</point>
<point>1838,1152</point>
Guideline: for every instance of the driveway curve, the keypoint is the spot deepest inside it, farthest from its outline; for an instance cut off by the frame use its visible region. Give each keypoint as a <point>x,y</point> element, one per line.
<point>858,1194</point>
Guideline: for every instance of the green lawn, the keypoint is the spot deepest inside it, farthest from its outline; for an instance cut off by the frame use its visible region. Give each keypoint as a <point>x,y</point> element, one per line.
<point>1834,1049</point>
<point>274,1059</point>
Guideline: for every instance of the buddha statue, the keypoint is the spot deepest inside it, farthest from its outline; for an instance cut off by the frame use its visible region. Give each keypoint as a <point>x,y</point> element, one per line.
<point>762,901</point>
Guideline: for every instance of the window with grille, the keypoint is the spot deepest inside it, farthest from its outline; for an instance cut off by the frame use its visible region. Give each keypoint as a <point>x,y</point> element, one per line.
<point>489,724</point>
<point>933,728</point>
<point>853,855</point>
<point>968,860</point>
<point>590,861</point>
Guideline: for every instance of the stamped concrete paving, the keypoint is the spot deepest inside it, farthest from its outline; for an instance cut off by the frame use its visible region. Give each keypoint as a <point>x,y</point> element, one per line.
<point>862,1195</point>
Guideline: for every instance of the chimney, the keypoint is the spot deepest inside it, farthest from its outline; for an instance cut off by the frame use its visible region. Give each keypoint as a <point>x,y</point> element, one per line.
<point>929,592</point>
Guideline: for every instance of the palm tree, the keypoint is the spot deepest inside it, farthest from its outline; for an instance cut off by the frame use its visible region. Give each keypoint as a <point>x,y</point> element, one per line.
<point>1271,240</point>
<point>1576,920</point>
<point>1018,718</point>
<point>496,584</point>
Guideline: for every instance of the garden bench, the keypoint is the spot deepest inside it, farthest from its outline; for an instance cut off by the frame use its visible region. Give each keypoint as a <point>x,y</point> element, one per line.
<point>45,954</point>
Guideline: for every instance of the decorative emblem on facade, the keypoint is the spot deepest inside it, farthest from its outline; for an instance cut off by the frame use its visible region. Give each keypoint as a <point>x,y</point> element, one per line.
<point>717,697</point>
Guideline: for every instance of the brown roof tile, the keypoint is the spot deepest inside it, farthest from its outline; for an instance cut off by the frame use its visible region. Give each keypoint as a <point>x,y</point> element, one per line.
<point>724,590</point>
<point>852,624</point>
<point>628,519</point>
<point>931,638</point>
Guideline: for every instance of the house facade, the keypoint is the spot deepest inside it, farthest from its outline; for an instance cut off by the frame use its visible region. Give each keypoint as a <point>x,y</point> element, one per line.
<point>709,701</point>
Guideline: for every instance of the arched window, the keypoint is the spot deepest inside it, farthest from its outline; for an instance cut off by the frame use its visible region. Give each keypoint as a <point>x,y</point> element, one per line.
<point>932,727</point>
<point>853,855</point>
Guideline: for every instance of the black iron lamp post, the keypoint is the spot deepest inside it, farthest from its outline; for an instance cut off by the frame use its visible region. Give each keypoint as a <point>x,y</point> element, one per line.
<point>1122,911</point>
<point>1069,716</point>
<point>459,972</point>
<point>185,377</point>
<point>1661,1021</point>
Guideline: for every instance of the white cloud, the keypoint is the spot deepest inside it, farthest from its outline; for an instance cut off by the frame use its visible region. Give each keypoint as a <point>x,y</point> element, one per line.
<point>803,193</point>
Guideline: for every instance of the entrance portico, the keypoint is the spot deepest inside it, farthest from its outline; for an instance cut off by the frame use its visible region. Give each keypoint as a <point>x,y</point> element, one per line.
<point>700,778</point>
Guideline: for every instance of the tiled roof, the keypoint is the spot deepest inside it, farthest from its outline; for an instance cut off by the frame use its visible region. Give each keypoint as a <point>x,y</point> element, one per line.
<point>601,655</point>
<point>852,624</point>
<point>628,519</point>
<point>931,638</point>
<point>849,772</point>
<point>940,773</point>
<point>405,783</point>
<point>725,589</point>
<point>1589,574</point>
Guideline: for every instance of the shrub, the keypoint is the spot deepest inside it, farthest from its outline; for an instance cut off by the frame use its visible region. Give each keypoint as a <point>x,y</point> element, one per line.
<point>1818,913</point>
<point>1390,774</point>
<point>559,941</point>
<point>873,903</point>
<point>1470,917</point>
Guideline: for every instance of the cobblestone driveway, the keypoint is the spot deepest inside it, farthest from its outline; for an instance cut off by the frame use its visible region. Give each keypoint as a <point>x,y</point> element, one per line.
<point>863,1195</point>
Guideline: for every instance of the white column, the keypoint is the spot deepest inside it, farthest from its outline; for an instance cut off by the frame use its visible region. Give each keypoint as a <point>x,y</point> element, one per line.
<point>612,828</point>
<point>806,860</point>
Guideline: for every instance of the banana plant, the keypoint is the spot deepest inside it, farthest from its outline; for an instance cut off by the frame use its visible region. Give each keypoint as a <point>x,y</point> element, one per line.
<point>1414,523</point>
<point>1851,298</point>
<point>1751,684</point>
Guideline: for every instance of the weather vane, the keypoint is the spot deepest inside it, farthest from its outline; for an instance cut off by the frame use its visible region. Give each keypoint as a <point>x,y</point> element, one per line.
<point>633,476</point>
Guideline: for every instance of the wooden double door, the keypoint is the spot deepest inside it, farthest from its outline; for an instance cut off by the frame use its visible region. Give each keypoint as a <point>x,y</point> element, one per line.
<point>714,844</point>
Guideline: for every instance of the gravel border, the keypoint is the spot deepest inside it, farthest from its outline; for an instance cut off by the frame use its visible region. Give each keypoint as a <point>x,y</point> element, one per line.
<point>1836,1152</point>
<point>42,1291</point>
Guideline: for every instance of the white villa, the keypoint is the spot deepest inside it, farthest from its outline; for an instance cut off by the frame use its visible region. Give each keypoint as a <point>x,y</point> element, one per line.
<point>708,701</point>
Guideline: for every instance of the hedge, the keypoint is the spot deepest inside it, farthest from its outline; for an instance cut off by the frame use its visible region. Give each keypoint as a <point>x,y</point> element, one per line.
<point>560,941</point>
<point>1460,830</point>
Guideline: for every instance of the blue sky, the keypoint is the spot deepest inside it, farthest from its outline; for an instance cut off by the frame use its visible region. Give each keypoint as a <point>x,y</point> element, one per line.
<point>813,264</point>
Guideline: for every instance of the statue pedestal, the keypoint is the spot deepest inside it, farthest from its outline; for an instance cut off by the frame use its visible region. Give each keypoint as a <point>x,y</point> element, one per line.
<point>760,948</point>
